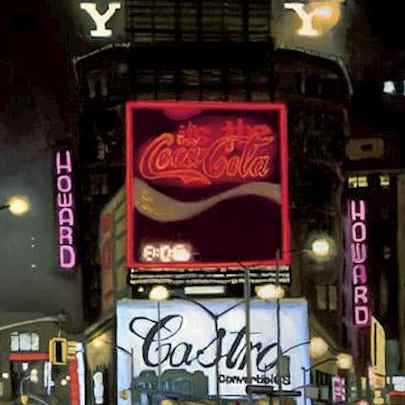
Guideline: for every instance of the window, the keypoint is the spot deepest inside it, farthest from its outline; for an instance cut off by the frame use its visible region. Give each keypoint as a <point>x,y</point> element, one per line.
<point>389,87</point>
<point>24,342</point>
<point>357,181</point>
<point>326,297</point>
<point>384,180</point>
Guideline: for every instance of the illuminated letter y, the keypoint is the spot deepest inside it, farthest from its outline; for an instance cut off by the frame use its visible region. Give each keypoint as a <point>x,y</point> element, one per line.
<point>100,19</point>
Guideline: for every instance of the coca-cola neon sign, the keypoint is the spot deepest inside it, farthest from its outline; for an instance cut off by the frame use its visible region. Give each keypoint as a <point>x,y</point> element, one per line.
<point>65,210</point>
<point>359,262</point>
<point>212,175</point>
<point>197,156</point>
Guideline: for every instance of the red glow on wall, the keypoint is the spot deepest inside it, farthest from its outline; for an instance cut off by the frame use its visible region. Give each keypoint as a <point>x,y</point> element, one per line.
<point>29,356</point>
<point>218,165</point>
<point>74,383</point>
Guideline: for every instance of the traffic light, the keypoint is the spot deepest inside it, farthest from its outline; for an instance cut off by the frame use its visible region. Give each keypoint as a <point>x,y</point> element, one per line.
<point>58,351</point>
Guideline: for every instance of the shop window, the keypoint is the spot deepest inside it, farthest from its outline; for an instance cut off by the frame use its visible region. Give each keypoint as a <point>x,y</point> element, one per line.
<point>24,342</point>
<point>326,297</point>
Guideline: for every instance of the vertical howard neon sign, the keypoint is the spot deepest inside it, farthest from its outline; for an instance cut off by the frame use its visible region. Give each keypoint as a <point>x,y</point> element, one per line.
<point>65,210</point>
<point>359,262</point>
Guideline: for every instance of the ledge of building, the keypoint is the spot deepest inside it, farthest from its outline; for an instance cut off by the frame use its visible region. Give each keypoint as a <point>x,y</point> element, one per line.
<point>99,326</point>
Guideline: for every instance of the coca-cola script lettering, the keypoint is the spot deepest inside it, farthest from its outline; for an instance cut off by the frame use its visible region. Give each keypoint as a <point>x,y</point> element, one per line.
<point>195,155</point>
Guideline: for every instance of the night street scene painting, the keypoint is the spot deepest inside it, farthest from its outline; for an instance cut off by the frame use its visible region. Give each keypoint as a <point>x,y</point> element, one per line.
<point>202,202</point>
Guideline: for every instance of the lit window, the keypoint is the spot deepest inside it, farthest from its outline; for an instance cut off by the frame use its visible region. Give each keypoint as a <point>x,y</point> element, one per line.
<point>357,181</point>
<point>384,180</point>
<point>14,342</point>
<point>352,182</point>
<point>24,342</point>
<point>389,88</point>
<point>362,181</point>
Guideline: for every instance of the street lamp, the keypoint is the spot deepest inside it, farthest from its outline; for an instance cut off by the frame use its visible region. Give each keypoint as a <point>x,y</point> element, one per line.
<point>160,293</point>
<point>18,205</point>
<point>321,250</point>
<point>344,361</point>
<point>33,377</point>
<point>318,347</point>
<point>321,247</point>
<point>98,344</point>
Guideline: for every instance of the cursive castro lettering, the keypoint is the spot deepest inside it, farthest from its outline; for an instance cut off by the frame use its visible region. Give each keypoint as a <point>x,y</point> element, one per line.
<point>178,354</point>
<point>241,152</point>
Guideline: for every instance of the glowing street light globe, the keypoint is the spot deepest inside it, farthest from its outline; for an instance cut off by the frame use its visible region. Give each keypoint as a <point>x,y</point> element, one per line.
<point>159,293</point>
<point>321,247</point>
<point>18,205</point>
<point>344,361</point>
<point>270,292</point>
<point>318,347</point>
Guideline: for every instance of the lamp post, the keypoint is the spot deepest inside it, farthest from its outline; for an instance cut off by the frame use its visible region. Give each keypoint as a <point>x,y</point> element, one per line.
<point>99,342</point>
<point>161,293</point>
<point>33,377</point>
<point>321,250</point>
<point>130,353</point>
<point>343,361</point>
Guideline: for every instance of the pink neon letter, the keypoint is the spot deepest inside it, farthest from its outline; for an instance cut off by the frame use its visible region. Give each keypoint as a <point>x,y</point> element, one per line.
<point>359,274</point>
<point>358,210</point>
<point>359,232</point>
<point>65,200</point>
<point>65,235</point>
<point>66,217</point>
<point>359,253</point>
<point>360,294</point>
<point>67,257</point>
<point>66,165</point>
<point>361,315</point>
<point>64,183</point>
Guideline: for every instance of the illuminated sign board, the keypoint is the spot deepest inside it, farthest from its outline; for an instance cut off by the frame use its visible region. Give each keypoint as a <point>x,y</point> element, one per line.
<point>338,389</point>
<point>112,250</point>
<point>195,353</point>
<point>377,370</point>
<point>208,182</point>
<point>358,253</point>
<point>101,20</point>
<point>65,210</point>
<point>316,17</point>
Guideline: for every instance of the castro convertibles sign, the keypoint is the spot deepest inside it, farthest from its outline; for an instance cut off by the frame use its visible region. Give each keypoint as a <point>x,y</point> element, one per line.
<point>194,354</point>
<point>206,184</point>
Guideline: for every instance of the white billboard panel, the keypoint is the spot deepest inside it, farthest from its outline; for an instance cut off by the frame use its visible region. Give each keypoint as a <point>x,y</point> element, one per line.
<point>191,344</point>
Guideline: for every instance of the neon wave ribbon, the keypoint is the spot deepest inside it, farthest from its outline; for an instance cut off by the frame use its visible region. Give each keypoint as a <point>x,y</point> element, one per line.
<point>159,207</point>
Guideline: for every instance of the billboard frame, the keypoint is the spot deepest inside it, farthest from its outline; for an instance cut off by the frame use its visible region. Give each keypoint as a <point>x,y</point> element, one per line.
<point>285,258</point>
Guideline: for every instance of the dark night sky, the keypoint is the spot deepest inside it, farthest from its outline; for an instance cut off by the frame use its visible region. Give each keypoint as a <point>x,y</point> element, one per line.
<point>34,111</point>
<point>386,21</point>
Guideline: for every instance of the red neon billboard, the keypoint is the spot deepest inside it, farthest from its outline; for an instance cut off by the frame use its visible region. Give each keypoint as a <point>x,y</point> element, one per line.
<point>207,184</point>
